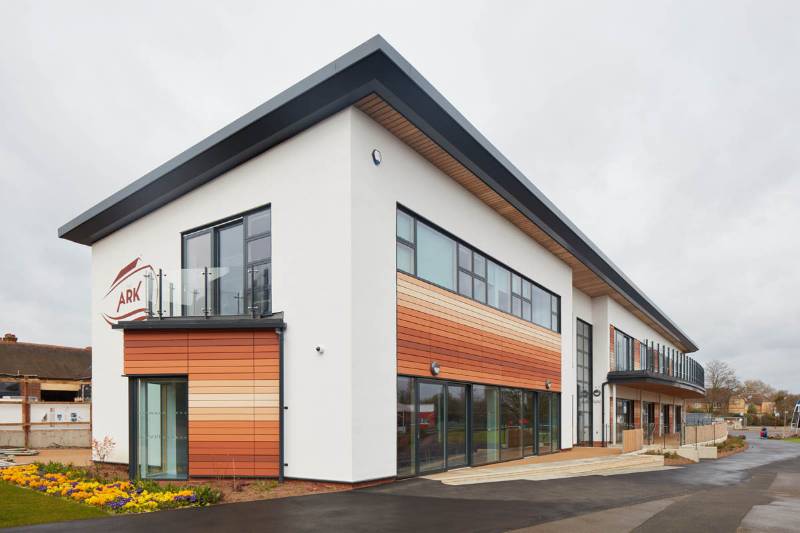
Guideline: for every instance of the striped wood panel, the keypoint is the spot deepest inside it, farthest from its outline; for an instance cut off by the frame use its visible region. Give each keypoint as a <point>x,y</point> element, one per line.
<point>582,277</point>
<point>233,394</point>
<point>471,341</point>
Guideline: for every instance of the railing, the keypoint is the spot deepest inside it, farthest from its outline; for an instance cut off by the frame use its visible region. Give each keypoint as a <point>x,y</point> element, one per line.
<point>207,292</point>
<point>672,364</point>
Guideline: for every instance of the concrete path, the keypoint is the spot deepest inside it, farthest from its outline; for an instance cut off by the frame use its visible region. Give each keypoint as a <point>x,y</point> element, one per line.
<point>594,466</point>
<point>754,491</point>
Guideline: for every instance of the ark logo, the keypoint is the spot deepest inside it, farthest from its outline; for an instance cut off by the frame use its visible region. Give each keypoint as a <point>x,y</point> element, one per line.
<point>126,298</point>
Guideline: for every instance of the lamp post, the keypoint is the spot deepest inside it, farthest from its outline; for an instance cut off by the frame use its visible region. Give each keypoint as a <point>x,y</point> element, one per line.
<point>785,412</point>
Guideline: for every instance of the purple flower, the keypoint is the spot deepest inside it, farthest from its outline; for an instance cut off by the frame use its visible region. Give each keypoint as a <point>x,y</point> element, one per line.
<point>118,503</point>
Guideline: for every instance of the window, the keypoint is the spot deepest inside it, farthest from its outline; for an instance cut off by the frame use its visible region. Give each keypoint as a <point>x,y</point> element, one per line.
<point>623,351</point>
<point>406,239</point>
<point>583,374</point>
<point>9,389</point>
<point>644,357</point>
<point>498,281</point>
<point>226,267</point>
<point>624,417</point>
<point>510,424</point>
<point>436,261</point>
<point>429,254</point>
<point>406,428</point>
<point>485,424</point>
<point>444,424</point>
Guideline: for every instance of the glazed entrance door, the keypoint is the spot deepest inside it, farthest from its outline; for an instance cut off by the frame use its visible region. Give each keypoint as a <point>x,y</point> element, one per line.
<point>430,426</point>
<point>162,428</point>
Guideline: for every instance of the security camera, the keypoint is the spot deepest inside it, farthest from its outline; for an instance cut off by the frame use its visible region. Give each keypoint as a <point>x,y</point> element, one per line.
<point>319,349</point>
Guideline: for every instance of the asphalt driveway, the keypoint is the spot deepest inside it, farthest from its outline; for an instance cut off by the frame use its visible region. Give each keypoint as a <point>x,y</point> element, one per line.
<point>711,496</point>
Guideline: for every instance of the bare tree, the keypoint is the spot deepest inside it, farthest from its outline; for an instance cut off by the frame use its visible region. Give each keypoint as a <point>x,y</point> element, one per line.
<point>721,385</point>
<point>755,391</point>
<point>785,402</point>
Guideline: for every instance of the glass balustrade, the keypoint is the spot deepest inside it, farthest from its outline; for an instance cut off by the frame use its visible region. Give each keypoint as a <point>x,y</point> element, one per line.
<point>208,292</point>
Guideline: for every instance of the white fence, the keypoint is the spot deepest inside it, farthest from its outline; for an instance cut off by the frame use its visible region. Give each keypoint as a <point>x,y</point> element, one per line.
<point>48,424</point>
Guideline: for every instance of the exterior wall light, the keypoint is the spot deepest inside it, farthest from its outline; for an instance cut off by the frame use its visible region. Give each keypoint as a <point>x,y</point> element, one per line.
<point>548,384</point>
<point>435,368</point>
<point>376,157</point>
<point>319,349</point>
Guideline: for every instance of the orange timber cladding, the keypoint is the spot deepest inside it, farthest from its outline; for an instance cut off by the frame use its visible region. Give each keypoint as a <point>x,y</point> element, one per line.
<point>233,379</point>
<point>470,341</point>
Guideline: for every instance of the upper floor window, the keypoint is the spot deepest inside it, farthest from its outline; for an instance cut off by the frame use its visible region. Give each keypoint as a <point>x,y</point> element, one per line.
<point>430,254</point>
<point>226,267</point>
<point>623,350</point>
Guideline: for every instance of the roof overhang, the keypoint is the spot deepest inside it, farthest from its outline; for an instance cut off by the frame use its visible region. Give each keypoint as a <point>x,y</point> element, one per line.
<point>373,67</point>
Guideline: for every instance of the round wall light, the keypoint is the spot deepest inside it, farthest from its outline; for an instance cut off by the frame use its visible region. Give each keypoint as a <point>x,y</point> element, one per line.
<point>548,384</point>
<point>377,157</point>
<point>435,368</point>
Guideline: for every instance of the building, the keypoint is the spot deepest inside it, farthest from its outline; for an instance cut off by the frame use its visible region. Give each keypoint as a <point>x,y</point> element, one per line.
<point>737,406</point>
<point>45,394</point>
<point>350,283</point>
<point>767,408</point>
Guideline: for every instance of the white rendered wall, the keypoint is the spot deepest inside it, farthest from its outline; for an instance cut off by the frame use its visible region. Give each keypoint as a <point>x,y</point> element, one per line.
<point>307,181</point>
<point>405,177</point>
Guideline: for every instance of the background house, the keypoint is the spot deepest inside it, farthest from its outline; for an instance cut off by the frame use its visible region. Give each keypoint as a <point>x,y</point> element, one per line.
<point>45,394</point>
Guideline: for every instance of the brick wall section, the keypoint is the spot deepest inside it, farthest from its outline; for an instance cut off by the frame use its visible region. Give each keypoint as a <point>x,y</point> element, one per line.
<point>611,360</point>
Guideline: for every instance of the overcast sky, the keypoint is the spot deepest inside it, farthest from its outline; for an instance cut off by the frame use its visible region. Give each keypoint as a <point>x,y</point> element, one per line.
<point>668,132</point>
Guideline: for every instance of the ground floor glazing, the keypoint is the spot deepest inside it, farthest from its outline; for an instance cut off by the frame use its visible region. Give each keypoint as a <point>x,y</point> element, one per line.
<point>445,424</point>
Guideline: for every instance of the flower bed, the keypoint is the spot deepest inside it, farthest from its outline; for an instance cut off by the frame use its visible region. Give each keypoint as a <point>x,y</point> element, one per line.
<point>116,496</point>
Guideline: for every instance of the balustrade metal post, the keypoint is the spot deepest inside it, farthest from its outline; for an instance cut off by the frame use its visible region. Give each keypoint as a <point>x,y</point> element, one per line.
<point>205,291</point>
<point>160,298</point>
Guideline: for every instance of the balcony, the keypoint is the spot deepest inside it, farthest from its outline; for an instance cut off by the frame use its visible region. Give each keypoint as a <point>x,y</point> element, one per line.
<point>205,298</point>
<point>673,374</point>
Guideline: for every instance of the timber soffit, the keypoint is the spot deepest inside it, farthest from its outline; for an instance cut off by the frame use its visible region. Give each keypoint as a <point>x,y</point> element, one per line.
<point>372,67</point>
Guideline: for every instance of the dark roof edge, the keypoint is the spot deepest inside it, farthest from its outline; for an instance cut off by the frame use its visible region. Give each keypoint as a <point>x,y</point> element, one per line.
<point>374,66</point>
<point>201,323</point>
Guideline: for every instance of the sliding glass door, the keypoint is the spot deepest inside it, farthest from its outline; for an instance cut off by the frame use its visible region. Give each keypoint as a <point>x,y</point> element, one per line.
<point>443,425</point>
<point>456,425</point>
<point>430,426</point>
<point>162,428</point>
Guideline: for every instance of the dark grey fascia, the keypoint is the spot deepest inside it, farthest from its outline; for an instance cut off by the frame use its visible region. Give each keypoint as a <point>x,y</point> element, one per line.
<point>200,323</point>
<point>373,67</point>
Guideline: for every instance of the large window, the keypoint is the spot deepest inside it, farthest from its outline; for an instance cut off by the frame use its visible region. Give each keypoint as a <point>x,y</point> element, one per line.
<point>583,372</point>
<point>443,424</point>
<point>623,351</point>
<point>548,422</point>
<point>510,424</point>
<point>432,255</point>
<point>485,424</point>
<point>406,427</point>
<point>226,267</point>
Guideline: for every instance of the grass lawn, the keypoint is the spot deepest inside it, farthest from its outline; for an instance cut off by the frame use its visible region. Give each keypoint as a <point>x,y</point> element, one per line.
<point>22,507</point>
<point>793,439</point>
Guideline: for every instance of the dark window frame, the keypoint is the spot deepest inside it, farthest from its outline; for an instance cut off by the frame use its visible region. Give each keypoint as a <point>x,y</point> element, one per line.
<point>555,301</point>
<point>536,394</point>
<point>213,229</point>
<point>588,369</point>
<point>630,355</point>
